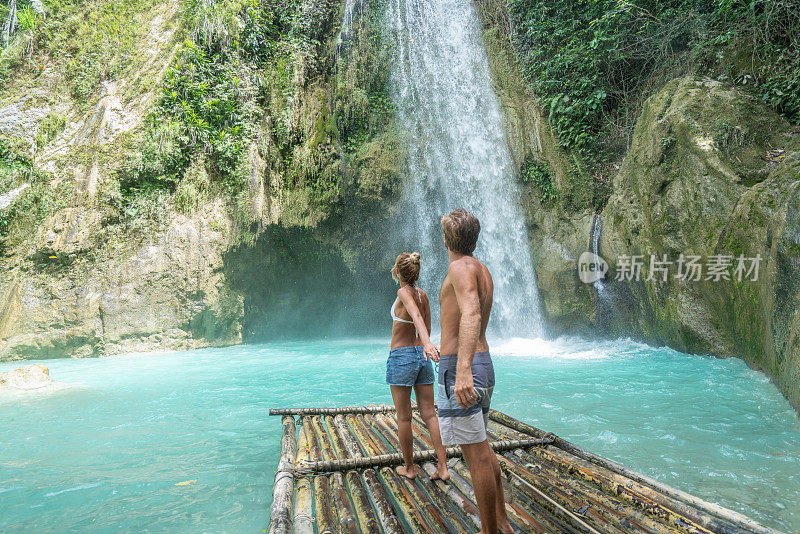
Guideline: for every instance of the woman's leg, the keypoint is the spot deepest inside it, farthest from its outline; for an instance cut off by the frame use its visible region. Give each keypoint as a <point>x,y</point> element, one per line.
<point>424,393</point>
<point>401,395</point>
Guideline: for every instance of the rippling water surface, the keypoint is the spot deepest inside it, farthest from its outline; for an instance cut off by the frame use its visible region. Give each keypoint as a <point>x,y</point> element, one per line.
<point>106,454</point>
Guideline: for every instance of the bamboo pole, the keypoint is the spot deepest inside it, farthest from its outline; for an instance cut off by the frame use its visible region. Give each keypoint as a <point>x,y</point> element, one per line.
<point>425,503</point>
<point>403,500</point>
<point>443,500</point>
<point>384,508</point>
<point>325,445</point>
<point>314,453</point>
<point>348,517</point>
<point>471,519</point>
<point>328,519</point>
<point>392,459</point>
<point>302,517</point>
<point>520,521</point>
<point>366,441</point>
<point>346,436</point>
<point>361,504</point>
<point>734,518</point>
<point>341,502</point>
<point>383,504</point>
<point>334,411</point>
<point>280,521</point>
<point>326,513</point>
<point>595,499</point>
<point>340,448</point>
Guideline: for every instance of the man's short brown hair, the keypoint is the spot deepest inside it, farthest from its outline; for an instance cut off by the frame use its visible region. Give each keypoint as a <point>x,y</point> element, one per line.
<point>461,229</point>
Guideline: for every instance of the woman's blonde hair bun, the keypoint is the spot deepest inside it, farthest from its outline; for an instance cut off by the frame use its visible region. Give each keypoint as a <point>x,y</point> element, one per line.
<point>406,268</point>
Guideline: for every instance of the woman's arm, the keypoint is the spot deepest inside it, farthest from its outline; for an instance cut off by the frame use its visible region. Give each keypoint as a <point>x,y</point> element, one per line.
<point>419,322</point>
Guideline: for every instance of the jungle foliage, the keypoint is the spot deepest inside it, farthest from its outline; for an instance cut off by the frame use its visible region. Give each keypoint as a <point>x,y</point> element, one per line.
<point>594,62</point>
<point>237,70</point>
<point>34,204</point>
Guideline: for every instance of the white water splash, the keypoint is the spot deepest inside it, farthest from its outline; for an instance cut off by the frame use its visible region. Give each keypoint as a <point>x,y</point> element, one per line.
<point>567,348</point>
<point>458,155</point>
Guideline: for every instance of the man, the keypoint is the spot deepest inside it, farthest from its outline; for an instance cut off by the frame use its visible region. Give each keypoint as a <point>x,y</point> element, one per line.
<point>466,375</point>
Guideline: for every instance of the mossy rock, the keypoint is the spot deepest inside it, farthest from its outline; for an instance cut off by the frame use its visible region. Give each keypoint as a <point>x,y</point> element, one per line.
<point>712,172</point>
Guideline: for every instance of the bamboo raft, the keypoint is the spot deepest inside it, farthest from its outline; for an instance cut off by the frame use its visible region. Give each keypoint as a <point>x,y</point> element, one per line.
<point>336,474</point>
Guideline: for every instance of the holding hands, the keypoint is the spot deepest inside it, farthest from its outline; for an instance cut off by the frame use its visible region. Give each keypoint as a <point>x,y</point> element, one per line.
<point>431,351</point>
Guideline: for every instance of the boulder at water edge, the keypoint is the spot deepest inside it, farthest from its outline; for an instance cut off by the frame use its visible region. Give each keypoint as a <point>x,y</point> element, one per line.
<point>29,377</point>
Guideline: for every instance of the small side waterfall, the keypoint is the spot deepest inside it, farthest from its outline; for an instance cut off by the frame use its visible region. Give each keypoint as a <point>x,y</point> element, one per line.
<point>597,228</point>
<point>352,8</point>
<point>603,306</point>
<point>458,155</point>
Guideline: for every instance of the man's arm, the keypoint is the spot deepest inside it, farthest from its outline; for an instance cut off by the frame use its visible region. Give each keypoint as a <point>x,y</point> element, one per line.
<point>465,286</point>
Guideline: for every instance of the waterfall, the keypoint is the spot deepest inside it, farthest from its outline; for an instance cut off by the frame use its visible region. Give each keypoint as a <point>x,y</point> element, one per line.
<point>597,228</point>
<point>346,30</point>
<point>458,156</point>
<point>603,306</point>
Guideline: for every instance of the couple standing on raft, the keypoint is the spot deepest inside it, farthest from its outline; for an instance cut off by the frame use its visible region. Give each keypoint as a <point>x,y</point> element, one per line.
<point>466,375</point>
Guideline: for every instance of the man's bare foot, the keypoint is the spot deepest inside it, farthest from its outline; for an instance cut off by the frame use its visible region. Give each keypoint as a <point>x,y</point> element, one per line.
<point>441,474</point>
<point>505,528</point>
<point>408,472</point>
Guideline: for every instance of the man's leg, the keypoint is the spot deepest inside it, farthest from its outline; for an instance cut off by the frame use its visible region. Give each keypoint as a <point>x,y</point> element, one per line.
<point>401,395</point>
<point>500,500</point>
<point>485,472</point>
<point>479,460</point>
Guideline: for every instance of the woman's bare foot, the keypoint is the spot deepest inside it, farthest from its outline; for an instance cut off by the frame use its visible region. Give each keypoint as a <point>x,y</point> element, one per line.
<point>441,474</point>
<point>408,472</point>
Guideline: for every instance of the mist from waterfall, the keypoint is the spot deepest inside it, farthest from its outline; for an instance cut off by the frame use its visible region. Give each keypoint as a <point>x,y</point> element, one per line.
<point>458,156</point>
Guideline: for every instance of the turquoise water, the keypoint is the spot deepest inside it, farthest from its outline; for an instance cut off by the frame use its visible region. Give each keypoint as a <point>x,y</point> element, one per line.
<point>106,454</point>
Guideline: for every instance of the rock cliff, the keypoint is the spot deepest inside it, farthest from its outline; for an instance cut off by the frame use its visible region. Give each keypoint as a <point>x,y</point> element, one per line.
<point>111,244</point>
<point>712,175</point>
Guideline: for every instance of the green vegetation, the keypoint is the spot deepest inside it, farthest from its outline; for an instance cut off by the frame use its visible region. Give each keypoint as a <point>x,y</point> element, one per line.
<point>363,105</point>
<point>538,174</point>
<point>87,42</point>
<point>593,62</point>
<point>22,25</point>
<point>255,89</point>
<point>27,212</point>
<point>49,128</point>
<point>244,78</point>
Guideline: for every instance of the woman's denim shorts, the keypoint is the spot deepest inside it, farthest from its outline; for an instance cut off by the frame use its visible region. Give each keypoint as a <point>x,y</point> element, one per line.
<point>407,366</point>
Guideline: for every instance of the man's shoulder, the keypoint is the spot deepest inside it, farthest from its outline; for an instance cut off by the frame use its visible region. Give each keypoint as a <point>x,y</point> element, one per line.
<point>466,265</point>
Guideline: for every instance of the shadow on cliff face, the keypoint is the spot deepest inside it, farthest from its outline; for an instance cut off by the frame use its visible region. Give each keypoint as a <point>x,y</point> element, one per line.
<point>300,283</point>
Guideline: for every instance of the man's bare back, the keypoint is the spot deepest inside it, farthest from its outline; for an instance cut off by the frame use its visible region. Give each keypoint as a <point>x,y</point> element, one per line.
<point>467,288</point>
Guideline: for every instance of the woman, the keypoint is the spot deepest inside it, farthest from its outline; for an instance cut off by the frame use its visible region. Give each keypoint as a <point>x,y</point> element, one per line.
<point>409,363</point>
